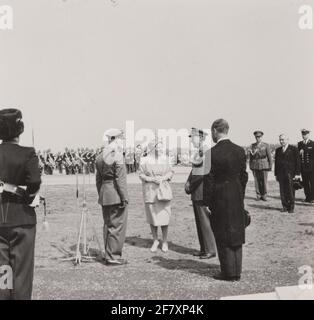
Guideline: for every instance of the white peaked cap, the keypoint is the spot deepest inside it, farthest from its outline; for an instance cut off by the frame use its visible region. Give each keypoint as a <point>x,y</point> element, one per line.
<point>112,133</point>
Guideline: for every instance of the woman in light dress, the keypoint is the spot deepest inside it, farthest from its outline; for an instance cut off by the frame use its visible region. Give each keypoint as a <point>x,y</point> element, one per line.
<point>155,169</point>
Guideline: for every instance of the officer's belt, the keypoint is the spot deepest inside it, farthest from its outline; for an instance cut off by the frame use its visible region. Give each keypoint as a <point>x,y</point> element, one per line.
<point>13,189</point>
<point>19,192</point>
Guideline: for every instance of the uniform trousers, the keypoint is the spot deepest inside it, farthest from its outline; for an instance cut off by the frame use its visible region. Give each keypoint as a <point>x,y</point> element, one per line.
<point>260,179</point>
<point>204,231</point>
<point>308,183</point>
<point>17,246</point>
<point>114,231</point>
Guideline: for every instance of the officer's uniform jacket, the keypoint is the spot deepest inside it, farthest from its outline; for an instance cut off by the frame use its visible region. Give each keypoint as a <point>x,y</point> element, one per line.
<point>260,156</point>
<point>111,181</point>
<point>306,155</point>
<point>19,166</point>
<point>195,182</point>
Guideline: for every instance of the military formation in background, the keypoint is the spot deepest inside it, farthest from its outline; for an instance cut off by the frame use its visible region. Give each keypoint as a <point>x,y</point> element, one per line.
<point>83,160</point>
<point>68,162</point>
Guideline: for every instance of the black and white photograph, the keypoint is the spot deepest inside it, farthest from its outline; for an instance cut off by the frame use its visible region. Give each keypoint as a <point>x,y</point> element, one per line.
<point>156,150</point>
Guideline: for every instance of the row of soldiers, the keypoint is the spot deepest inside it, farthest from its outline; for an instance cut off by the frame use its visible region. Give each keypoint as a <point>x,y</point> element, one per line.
<point>82,160</point>
<point>69,161</point>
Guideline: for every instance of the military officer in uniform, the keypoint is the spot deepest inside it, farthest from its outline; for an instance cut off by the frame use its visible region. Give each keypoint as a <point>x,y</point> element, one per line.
<point>194,186</point>
<point>306,149</point>
<point>111,184</point>
<point>260,163</point>
<point>19,166</point>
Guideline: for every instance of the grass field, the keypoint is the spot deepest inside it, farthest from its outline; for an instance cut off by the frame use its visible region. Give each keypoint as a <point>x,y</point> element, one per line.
<point>276,245</point>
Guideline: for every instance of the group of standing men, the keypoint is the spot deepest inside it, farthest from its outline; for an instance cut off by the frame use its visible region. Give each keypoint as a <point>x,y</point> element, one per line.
<point>291,163</point>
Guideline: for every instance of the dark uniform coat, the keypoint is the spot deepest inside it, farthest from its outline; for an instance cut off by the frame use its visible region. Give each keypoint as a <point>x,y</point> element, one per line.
<point>18,166</point>
<point>307,156</point>
<point>307,168</point>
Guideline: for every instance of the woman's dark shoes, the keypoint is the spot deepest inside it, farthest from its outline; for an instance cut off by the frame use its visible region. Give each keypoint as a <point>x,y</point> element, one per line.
<point>222,277</point>
<point>207,256</point>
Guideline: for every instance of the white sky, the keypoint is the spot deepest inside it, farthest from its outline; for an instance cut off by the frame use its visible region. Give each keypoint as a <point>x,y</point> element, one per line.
<point>77,67</point>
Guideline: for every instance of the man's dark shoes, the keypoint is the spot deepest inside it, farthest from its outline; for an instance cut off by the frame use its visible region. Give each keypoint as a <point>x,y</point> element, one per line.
<point>284,210</point>
<point>198,254</point>
<point>116,262</point>
<point>222,277</point>
<point>207,256</point>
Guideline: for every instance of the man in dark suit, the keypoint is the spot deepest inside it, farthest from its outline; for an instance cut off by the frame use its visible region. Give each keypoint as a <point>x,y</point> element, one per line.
<point>111,185</point>
<point>224,190</point>
<point>195,187</point>
<point>306,150</point>
<point>287,167</point>
<point>19,166</point>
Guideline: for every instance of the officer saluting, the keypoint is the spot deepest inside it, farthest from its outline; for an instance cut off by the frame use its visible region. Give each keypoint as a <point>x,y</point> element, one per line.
<point>113,196</point>
<point>19,166</point>
<point>260,163</point>
<point>306,149</point>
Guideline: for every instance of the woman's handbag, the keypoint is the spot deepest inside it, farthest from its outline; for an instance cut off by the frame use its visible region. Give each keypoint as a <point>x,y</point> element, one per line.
<point>164,192</point>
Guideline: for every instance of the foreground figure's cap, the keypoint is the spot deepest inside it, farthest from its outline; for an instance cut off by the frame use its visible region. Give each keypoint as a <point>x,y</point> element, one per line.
<point>305,131</point>
<point>113,133</point>
<point>258,133</point>
<point>11,124</point>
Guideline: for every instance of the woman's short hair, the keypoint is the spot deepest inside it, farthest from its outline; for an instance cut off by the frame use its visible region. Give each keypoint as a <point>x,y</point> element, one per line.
<point>221,126</point>
<point>11,124</point>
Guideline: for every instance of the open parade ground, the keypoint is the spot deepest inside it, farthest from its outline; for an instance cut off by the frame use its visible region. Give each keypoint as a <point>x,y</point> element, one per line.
<point>277,244</point>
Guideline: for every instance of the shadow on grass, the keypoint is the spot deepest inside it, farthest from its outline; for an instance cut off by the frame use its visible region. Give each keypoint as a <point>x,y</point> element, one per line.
<point>303,204</point>
<point>147,243</point>
<point>191,266</point>
<point>250,198</point>
<point>307,224</point>
<point>274,197</point>
<point>263,207</point>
